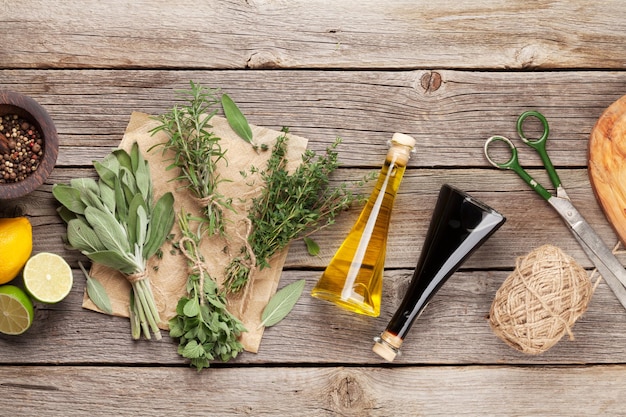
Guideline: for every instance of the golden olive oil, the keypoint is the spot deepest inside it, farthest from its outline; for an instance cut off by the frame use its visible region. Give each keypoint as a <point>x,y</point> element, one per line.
<point>354,277</point>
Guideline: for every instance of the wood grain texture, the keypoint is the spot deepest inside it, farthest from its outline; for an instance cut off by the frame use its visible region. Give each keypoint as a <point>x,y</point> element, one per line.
<point>273,34</point>
<point>91,109</point>
<point>448,73</point>
<point>345,391</point>
<point>452,330</point>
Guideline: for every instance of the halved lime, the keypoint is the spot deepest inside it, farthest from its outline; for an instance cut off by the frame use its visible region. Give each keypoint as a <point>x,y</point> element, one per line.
<point>16,310</point>
<point>47,277</point>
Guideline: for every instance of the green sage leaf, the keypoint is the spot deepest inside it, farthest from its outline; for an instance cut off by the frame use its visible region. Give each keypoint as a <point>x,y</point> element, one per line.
<point>92,199</point>
<point>111,162</point>
<point>128,179</point>
<point>114,260</point>
<point>281,303</point>
<point>69,197</point>
<point>142,173</point>
<point>66,214</point>
<point>123,158</point>
<point>161,222</point>
<point>132,220</point>
<point>82,237</point>
<point>110,232</point>
<point>96,292</point>
<point>141,226</point>
<point>82,184</point>
<point>136,158</point>
<point>106,174</point>
<point>311,246</point>
<point>107,195</point>
<point>121,205</point>
<point>236,119</point>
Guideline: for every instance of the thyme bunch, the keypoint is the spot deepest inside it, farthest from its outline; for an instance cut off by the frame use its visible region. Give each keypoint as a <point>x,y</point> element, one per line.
<point>290,206</point>
<point>205,329</point>
<point>197,151</point>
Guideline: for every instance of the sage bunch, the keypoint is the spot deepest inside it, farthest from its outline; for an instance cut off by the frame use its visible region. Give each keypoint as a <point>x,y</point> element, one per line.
<point>205,329</point>
<point>197,151</point>
<point>115,222</point>
<point>290,206</point>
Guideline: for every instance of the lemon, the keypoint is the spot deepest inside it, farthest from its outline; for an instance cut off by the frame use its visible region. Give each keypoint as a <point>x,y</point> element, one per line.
<point>16,245</point>
<point>47,277</point>
<point>16,310</point>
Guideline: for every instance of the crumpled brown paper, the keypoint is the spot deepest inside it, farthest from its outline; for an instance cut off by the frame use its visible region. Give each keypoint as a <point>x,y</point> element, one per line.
<point>168,275</point>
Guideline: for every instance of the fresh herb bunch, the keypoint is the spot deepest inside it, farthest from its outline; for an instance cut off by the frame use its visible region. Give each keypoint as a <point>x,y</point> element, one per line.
<point>115,222</point>
<point>291,206</point>
<point>205,328</point>
<point>197,151</point>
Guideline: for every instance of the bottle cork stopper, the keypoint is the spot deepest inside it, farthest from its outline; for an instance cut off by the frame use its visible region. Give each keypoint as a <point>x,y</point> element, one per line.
<point>401,148</point>
<point>402,139</point>
<point>387,346</point>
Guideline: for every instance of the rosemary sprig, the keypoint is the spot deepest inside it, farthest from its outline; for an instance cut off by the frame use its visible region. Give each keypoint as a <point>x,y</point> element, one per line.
<point>197,151</point>
<point>206,330</point>
<point>291,206</point>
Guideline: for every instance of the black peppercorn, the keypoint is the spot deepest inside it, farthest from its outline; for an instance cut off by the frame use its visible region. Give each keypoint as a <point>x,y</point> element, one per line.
<point>23,149</point>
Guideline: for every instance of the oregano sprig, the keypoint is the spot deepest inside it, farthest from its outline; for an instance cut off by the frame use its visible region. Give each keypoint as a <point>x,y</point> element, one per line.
<point>204,327</point>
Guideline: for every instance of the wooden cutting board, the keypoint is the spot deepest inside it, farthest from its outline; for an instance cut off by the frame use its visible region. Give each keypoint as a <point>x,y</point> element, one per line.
<point>607,165</point>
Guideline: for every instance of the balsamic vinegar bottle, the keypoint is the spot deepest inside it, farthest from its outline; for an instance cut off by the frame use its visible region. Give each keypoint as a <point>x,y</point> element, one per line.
<point>459,225</point>
<point>353,278</point>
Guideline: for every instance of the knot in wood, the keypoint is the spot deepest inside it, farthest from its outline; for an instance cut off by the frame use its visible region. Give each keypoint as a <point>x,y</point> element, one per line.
<point>348,396</point>
<point>431,81</point>
<point>263,60</point>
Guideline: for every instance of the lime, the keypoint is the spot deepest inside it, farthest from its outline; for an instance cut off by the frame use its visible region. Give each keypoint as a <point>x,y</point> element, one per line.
<point>47,277</point>
<point>16,310</point>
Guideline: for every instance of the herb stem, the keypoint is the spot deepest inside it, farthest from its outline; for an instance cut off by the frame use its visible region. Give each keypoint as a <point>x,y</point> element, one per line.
<point>197,152</point>
<point>147,307</point>
<point>140,312</point>
<point>291,206</point>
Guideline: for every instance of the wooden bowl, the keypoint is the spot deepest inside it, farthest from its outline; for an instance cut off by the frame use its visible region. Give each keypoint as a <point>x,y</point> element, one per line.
<point>28,109</point>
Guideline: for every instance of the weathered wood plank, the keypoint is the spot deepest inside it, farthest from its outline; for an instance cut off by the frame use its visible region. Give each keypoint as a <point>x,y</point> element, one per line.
<point>452,330</point>
<point>314,34</point>
<point>92,108</point>
<point>530,221</point>
<point>346,391</point>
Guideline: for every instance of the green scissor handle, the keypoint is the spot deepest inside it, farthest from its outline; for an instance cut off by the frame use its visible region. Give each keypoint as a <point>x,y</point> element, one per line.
<point>539,145</point>
<point>513,165</point>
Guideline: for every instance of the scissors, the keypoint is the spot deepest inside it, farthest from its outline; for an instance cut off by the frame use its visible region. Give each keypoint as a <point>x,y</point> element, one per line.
<point>606,263</point>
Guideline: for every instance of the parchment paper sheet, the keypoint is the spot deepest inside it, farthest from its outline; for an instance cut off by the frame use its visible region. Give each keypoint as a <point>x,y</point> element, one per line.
<point>169,274</point>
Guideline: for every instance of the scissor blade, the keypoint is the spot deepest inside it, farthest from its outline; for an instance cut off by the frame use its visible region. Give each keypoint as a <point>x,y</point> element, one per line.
<point>607,264</point>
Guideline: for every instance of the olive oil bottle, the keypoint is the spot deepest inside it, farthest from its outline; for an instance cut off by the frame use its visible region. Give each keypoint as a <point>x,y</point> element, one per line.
<point>354,277</point>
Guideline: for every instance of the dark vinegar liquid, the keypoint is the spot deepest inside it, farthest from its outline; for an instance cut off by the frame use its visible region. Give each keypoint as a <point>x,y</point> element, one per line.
<point>459,225</point>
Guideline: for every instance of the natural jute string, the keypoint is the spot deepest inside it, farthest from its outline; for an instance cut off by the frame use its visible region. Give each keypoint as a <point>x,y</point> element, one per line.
<point>540,301</point>
<point>197,266</point>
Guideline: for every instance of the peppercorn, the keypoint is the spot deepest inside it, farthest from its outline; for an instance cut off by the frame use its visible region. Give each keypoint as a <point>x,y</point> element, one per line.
<point>24,152</point>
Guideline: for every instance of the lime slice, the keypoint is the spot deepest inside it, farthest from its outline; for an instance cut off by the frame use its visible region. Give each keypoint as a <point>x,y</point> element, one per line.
<point>47,277</point>
<point>16,310</point>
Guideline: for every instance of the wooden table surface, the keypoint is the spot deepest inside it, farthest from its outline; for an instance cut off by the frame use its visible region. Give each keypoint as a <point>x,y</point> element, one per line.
<point>449,73</point>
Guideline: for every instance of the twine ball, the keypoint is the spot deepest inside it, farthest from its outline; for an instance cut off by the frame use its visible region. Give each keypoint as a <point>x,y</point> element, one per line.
<point>540,301</point>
